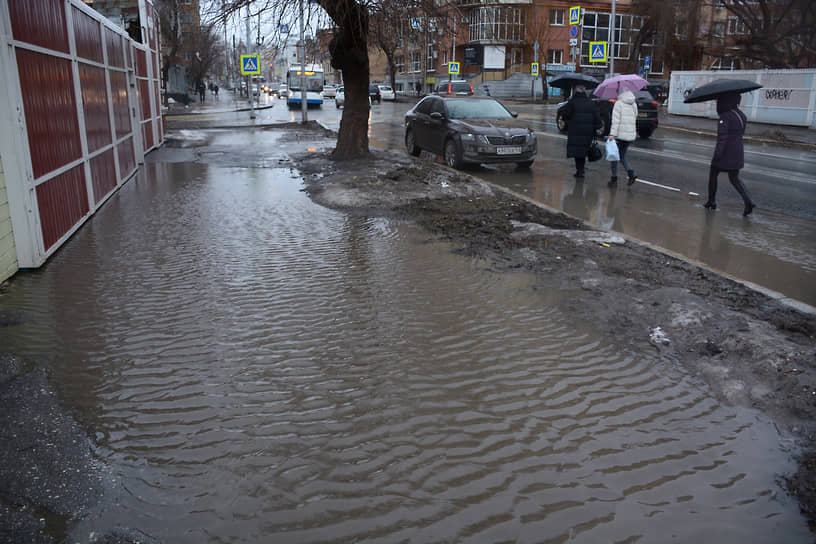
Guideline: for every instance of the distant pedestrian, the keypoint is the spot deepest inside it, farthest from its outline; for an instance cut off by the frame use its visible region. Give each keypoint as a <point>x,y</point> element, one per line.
<point>202,91</point>
<point>623,132</point>
<point>215,90</point>
<point>583,120</point>
<point>729,155</point>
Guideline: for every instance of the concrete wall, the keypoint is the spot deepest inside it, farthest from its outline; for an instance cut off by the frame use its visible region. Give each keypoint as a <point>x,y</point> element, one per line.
<point>787,97</point>
<point>8,255</point>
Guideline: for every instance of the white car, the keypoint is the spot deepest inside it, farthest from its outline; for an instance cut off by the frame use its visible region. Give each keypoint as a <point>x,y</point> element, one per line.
<point>387,93</point>
<point>283,91</point>
<point>340,98</point>
<point>329,91</point>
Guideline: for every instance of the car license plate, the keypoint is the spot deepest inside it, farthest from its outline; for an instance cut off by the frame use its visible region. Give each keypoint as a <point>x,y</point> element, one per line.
<point>643,115</point>
<point>508,150</point>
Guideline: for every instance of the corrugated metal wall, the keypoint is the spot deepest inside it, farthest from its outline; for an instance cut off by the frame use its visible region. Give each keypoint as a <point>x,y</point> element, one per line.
<point>85,99</point>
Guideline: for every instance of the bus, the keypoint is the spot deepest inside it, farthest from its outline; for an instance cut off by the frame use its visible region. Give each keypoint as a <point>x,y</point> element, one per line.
<point>313,76</point>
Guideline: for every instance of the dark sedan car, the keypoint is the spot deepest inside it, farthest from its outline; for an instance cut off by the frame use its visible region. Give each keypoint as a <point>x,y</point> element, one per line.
<point>374,93</point>
<point>469,130</point>
<point>646,121</point>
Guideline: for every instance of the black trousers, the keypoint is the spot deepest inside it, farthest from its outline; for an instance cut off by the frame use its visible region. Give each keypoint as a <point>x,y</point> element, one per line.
<point>580,162</point>
<point>733,177</point>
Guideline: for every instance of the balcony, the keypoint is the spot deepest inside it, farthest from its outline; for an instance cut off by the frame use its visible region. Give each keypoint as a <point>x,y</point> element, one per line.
<point>496,25</point>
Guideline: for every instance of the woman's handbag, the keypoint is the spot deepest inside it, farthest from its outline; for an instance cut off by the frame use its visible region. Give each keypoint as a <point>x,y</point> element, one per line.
<point>594,152</point>
<point>612,153</point>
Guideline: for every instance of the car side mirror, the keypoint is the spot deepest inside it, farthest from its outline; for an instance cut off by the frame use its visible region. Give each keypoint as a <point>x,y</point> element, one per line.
<point>437,116</point>
<point>514,113</point>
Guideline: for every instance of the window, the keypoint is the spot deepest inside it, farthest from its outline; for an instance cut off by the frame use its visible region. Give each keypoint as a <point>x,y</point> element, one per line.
<point>445,58</point>
<point>557,17</point>
<point>429,63</point>
<point>596,29</point>
<point>416,61</point>
<point>718,30</point>
<point>555,56</point>
<point>399,64</point>
<point>497,24</point>
<point>736,26</point>
<point>515,56</point>
<point>186,18</point>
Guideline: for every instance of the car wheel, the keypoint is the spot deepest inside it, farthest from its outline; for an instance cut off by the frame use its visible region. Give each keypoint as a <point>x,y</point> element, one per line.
<point>561,123</point>
<point>645,132</point>
<point>410,143</point>
<point>453,157</point>
<point>523,165</point>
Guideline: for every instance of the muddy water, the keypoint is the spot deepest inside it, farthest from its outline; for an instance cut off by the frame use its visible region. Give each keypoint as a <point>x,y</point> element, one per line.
<point>256,368</point>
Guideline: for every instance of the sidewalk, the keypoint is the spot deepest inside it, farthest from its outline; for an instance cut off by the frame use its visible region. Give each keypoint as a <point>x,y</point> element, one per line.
<point>754,132</point>
<point>225,102</point>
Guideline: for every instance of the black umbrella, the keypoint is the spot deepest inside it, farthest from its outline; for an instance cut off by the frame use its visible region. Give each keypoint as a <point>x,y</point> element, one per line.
<point>713,89</point>
<point>571,79</point>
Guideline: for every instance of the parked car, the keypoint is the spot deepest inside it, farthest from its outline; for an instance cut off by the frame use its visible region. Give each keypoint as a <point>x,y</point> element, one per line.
<point>374,93</point>
<point>329,91</point>
<point>469,130</point>
<point>646,121</point>
<point>283,91</point>
<point>340,97</point>
<point>659,91</point>
<point>255,90</point>
<point>387,93</point>
<point>455,86</point>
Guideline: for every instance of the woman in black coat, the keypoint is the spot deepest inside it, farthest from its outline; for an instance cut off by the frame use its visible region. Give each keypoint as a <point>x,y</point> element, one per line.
<point>729,154</point>
<point>583,120</point>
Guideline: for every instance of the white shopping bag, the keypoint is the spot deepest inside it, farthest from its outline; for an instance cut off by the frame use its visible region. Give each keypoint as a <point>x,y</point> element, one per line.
<point>612,153</point>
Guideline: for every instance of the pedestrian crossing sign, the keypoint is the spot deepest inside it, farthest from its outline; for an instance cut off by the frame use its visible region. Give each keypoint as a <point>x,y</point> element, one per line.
<point>416,23</point>
<point>251,65</point>
<point>534,69</point>
<point>453,68</point>
<point>597,52</point>
<point>575,15</point>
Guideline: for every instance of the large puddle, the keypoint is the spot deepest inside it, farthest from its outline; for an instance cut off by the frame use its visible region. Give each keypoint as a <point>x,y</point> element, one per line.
<point>256,368</point>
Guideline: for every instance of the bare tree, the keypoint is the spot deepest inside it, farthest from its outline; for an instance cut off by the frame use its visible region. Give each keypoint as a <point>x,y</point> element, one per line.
<point>677,25</point>
<point>775,33</point>
<point>170,24</point>
<point>204,50</point>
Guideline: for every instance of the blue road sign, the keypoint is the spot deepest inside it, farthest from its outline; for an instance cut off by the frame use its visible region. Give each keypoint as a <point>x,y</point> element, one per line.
<point>250,65</point>
<point>284,29</point>
<point>573,31</point>
<point>575,15</point>
<point>453,67</point>
<point>597,51</point>
<point>416,23</point>
<point>647,62</point>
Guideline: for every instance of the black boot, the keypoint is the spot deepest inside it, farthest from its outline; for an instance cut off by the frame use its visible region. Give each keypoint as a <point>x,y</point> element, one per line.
<point>613,182</point>
<point>746,198</point>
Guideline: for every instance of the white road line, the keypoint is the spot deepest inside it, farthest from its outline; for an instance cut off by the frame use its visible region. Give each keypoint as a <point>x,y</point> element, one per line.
<point>653,184</point>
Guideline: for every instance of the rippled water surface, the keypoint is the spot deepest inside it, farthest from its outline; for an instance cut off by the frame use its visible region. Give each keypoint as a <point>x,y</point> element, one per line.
<point>257,368</point>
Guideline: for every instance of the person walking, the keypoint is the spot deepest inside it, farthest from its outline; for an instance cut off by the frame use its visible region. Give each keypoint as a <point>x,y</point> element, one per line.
<point>202,91</point>
<point>623,132</point>
<point>583,119</point>
<point>729,154</point>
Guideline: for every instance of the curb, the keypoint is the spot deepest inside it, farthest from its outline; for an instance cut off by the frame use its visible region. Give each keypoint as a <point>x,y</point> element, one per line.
<point>770,293</point>
<point>179,114</point>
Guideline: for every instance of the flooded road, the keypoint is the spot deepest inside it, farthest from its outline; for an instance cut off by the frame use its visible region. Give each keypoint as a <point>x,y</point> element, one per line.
<point>774,248</point>
<point>257,368</point>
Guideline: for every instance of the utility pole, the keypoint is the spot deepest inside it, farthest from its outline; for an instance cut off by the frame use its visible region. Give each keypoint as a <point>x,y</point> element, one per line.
<point>455,16</point>
<point>304,105</point>
<point>249,78</point>
<point>612,26</point>
<point>226,46</point>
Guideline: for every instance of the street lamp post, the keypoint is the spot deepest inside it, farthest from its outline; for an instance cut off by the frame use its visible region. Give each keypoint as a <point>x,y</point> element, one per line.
<point>304,105</point>
<point>612,26</point>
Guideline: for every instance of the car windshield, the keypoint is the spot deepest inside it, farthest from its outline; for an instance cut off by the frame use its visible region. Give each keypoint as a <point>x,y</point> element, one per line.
<point>476,109</point>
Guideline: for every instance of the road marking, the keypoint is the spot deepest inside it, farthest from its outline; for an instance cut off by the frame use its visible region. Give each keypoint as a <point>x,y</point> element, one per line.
<point>653,184</point>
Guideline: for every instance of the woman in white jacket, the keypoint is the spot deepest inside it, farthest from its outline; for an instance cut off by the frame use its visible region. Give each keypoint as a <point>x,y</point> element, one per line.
<point>624,132</point>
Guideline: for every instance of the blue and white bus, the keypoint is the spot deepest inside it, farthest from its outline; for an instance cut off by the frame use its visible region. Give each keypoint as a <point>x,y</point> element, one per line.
<point>313,77</point>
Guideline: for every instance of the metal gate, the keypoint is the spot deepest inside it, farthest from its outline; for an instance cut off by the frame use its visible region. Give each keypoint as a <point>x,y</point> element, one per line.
<point>80,107</point>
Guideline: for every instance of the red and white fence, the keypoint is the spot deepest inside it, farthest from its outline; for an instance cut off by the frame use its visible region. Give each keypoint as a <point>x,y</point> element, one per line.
<point>79,105</point>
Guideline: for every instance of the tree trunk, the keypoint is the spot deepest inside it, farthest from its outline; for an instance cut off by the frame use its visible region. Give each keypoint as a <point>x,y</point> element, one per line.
<point>349,53</point>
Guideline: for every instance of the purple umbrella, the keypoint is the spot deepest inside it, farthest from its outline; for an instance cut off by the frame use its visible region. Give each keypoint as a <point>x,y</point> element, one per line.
<point>612,87</point>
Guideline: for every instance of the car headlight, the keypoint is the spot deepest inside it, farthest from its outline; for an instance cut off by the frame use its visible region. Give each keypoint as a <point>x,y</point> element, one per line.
<point>467,137</point>
<point>531,137</point>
